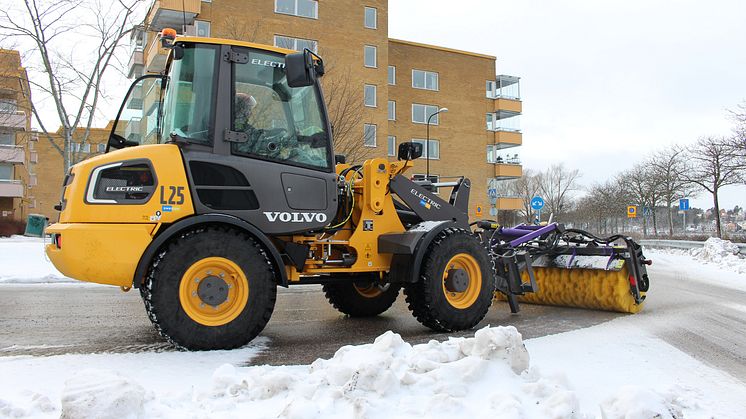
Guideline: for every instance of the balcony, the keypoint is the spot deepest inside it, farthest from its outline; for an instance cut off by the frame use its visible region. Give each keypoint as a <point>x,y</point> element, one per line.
<point>504,87</point>
<point>507,171</point>
<point>155,56</point>
<point>507,139</point>
<point>509,203</point>
<point>132,132</point>
<point>11,188</point>
<point>502,120</point>
<point>12,154</point>
<point>173,14</point>
<point>508,105</point>
<point>15,120</point>
<point>136,64</point>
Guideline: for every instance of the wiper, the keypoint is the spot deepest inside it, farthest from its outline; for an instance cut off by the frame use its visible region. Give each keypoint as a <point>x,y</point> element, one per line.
<point>178,135</point>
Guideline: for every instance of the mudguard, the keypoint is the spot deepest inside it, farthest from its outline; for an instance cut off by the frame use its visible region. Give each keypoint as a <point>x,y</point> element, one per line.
<point>191,222</point>
<point>409,248</point>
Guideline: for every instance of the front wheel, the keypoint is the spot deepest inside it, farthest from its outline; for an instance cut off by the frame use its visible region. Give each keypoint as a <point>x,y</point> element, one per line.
<point>210,289</point>
<point>456,287</point>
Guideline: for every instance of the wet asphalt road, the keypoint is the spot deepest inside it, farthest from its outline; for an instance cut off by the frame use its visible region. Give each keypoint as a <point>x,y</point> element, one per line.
<point>705,321</point>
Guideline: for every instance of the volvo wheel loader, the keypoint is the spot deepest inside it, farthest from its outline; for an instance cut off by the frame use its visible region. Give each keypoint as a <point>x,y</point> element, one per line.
<point>220,184</point>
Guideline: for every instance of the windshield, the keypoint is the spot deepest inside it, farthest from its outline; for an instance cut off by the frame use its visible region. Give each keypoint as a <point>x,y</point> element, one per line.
<point>137,121</point>
<point>274,121</point>
<point>189,96</point>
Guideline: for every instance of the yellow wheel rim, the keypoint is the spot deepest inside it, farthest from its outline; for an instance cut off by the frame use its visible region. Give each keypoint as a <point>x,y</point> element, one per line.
<point>371,291</point>
<point>465,299</point>
<point>229,274</point>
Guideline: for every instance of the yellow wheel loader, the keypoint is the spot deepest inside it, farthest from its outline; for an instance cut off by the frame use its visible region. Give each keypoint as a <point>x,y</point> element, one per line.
<point>220,184</point>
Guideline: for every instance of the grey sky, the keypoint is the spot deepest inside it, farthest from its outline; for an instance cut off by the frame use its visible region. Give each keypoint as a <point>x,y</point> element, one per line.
<point>604,83</point>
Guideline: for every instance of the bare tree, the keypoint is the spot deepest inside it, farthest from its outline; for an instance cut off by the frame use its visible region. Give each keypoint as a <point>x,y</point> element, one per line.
<point>669,167</point>
<point>556,183</point>
<point>525,187</point>
<point>642,188</point>
<point>344,100</point>
<point>713,164</point>
<point>71,78</point>
<point>235,27</point>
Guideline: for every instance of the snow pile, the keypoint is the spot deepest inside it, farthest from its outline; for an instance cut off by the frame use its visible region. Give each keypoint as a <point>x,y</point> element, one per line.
<point>22,260</point>
<point>102,395</point>
<point>722,253</point>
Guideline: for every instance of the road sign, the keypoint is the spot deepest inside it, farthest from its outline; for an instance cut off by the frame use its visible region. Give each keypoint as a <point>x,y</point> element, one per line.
<point>493,212</point>
<point>647,211</point>
<point>684,204</point>
<point>631,211</point>
<point>479,211</point>
<point>492,195</point>
<point>537,203</point>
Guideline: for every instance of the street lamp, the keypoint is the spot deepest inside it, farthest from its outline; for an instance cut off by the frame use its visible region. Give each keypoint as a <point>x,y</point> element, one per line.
<point>427,142</point>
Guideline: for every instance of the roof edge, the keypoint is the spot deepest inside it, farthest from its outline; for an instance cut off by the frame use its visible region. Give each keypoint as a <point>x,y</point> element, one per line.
<point>439,48</point>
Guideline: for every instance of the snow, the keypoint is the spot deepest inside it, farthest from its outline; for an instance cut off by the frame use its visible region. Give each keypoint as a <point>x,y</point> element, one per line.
<point>717,262</point>
<point>589,373</point>
<point>23,261</point>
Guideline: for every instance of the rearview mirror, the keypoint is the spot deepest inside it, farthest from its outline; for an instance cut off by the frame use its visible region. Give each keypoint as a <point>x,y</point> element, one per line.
<point>409,151</point>
<point>300,69</point>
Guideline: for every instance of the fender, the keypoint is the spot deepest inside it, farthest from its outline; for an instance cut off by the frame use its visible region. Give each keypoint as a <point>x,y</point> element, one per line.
<point>187,223</point>
<point>407,260</point>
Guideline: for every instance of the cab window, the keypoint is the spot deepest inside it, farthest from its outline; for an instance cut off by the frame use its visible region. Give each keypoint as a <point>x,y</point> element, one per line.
<point>280,123</point>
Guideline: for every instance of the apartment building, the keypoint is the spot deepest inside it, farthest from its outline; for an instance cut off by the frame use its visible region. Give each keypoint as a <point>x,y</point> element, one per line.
<point>402,85</point>
<point>15,127</point>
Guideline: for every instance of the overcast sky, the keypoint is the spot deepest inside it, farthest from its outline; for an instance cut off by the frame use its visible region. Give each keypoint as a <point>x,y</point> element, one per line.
<point>603,83</point>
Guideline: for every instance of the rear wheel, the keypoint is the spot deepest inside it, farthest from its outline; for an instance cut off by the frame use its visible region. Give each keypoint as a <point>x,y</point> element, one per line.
<point>456,287</point>
<point>210,289</point>
<point>361,298</point>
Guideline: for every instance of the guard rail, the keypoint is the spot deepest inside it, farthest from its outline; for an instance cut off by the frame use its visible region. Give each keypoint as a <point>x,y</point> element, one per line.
<point>683,244</point>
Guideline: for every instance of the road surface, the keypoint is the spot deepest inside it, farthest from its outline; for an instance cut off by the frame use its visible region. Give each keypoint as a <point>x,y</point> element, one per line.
<point>703,320</point>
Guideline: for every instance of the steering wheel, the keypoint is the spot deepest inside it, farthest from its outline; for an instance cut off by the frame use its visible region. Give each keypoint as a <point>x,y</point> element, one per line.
<point>275,138</point>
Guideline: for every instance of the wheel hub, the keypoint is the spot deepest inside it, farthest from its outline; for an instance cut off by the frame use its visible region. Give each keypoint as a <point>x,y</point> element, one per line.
<point>213,291</point>
<point>457,280</point>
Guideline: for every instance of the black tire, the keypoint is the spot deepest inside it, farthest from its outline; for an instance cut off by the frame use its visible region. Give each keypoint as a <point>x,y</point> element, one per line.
<point>427,297</point>
<point>161,290</point>
<point>361,298</point>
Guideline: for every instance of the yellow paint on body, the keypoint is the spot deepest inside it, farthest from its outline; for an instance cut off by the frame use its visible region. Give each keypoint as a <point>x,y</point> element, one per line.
<point>103,243</point>
<point>101,253</point>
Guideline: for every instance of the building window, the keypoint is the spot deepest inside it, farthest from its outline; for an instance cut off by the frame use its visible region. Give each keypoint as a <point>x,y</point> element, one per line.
<point>203,28</point>
<point>371,18</point>
<point>7,138</point>
<point>433,153</point>
<point>8,106</point>
<point>369,135</point>
<point>6,171</point>
<point>297,44</point>
<point>432,178</point>
<point>420,114</point>
<point>32,180</point>
<point>370,95</point>
<point>102,148</point>
<point>81,148</point>
<point>392,75</point>
<point>302,8</point>
<point>491,154</point>
<point>391,145</point>
<point>427,80</point>
<point>392,110</point>
<point>491,89</point>
<point>370,58</point>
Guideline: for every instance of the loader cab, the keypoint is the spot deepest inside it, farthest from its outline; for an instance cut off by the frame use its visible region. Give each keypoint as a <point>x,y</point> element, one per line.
<point>248,126</point>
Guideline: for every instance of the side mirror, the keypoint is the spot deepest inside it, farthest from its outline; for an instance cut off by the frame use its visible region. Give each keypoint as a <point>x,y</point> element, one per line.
<point>409,151</point>
<point>116,142</point>
<point>300,69</point>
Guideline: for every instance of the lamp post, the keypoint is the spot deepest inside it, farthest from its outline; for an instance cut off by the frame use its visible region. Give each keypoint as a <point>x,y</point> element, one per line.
<point>427,142</point>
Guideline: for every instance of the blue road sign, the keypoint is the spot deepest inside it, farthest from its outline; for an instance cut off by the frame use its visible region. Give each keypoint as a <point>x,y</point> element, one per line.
<point>683,204</point>
<point>537,203</point>
<point>647,211</point>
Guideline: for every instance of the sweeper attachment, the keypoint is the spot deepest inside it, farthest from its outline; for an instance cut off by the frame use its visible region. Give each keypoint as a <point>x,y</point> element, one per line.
<point>566,267</point>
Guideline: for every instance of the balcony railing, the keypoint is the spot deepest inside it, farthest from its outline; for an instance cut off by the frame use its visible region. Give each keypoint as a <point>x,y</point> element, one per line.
<point>132,132</point>
<point>507,171</point>
<point>136,63</point>
<point>505,87</point>
<point>155,56</point>
<point>15,120</point>
<point>173,14</point>
<point>11,188</point>
<point>504,121</point>
<point>12,154</point>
